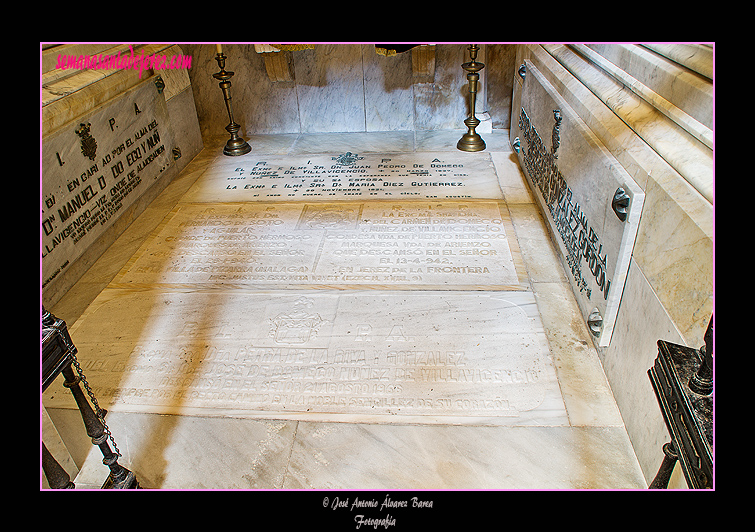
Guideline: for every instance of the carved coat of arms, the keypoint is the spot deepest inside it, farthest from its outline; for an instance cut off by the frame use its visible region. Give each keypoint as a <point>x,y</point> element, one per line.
<point>297,326</point>
<point>88,144</point>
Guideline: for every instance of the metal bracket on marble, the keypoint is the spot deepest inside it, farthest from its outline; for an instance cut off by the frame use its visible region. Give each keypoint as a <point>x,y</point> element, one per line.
<point>160,84</point>
<point>595,322</point>
<point>620,203</point>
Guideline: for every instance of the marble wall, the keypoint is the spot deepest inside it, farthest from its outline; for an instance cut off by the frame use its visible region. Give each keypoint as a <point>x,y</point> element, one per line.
<point>665,144</point>
<point>347,88</point>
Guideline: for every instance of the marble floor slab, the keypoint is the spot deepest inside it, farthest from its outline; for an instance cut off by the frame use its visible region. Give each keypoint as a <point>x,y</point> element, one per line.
<point>485,386</point>
<point>428,357</point>
<point>338,456</point>
<point>185,452</point>
<point>374,142</point>
<point>169,453</point>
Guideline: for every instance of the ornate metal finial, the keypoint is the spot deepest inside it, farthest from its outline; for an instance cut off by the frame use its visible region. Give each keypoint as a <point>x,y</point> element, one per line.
<point>702,381</point>
<point>556,136</point>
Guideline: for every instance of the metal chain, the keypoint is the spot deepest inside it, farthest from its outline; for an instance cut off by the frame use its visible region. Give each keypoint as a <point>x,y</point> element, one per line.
<point>97,408</point>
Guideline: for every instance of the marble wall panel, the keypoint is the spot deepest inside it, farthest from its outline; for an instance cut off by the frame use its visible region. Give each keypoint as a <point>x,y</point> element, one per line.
<point>499,67</point>
<point>696,57</point>
<point>185,126</point>
<point>688,91</point>
<point>622,142</point>
<point>668,290</point>
<point>211,111</point>
<point>264,106</point>
<point>443,104</point>
<point>688,155</point>
<point>690,215</point>
<point>626,362</point>
<point>57,448</point>
<point>176,80</point>
<point>259,105</point>
<point>388,95</point>
<point>86,91</point>
<point>343,88</point>
<point>330,88</point>
<point>675,249</point>
<point>58,111</point>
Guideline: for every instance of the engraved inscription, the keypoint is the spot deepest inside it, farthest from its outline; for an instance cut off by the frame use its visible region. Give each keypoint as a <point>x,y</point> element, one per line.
<point>434,354</point>
<point>410,244</point>
<point>87,184</point>
<point>575,179</point>
<point>583,246</point>
<point>349,176</point>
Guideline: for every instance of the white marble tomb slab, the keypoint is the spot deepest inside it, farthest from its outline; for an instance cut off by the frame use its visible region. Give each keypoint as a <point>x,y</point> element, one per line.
<point>384,245</point>
<point>90,177</point>
<point>356,356</point>
<point>575,190</point>
<point>348,176</point>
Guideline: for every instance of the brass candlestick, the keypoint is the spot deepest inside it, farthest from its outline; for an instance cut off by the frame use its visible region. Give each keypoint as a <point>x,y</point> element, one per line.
<point>235,145</point>
<point>471,140</point>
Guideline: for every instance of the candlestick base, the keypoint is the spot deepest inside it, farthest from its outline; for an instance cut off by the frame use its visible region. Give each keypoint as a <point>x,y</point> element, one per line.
<point>239,147</point>
<point>235,145</point>
<point>471,140</point>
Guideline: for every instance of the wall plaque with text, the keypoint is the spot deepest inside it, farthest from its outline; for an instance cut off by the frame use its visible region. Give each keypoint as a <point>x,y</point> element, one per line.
<point>97,166</point>
<point>590,202</point>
